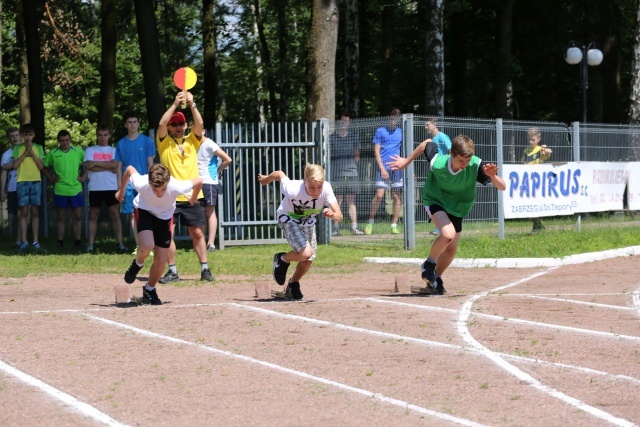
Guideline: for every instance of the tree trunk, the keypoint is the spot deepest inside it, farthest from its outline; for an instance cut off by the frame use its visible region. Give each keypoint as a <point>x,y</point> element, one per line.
<point>503,65</point>
<point>106,104</point>
<point>634,110</point>
<point>284,83</point>
<point>150,57</point>
<point>32,14</point>
<point>386,73</point>
<point>352,58</point>
<point>434,96</point>
<point>266,58</point>
<point>259,69</point>
<point>320,78</point>
<point>23,66</point>
<point>458,63</point>
<point>1,51</point>
<point>211,70</point>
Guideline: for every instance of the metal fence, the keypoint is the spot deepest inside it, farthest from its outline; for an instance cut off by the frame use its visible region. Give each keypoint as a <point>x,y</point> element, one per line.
<point>246,210</point>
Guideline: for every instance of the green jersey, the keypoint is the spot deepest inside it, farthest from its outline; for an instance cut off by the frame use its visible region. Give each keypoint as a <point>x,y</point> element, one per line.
<point>66,164</point>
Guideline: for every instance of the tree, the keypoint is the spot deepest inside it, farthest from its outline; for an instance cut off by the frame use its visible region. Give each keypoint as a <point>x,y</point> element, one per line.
<point>213,89</point>
<point>32,43</point>
<point>107,101</point>
<point>434,97</point>
<point>352,58</point>
<point>321,60</point>
<point>504,94</point>
<point>151,64</point>
<point>634,111</point>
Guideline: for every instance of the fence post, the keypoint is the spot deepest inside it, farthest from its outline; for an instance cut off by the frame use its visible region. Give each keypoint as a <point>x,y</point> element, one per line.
<point>220,201</point>
<point>409,185</point>
<point>575,139</point>
<point>500,162</point>
<point>321,139</point>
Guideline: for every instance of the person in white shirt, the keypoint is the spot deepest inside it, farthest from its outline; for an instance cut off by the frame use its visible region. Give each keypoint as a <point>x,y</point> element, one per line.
<point>8,180</point>
<point>153,208</point>
<point>303,200</point>
<point>101,169</point>
<point>212,160</point>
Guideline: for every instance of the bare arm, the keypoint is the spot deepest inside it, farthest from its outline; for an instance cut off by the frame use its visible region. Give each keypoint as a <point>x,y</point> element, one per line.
<point>273,176</point>
<point>197,186</point>
<point>400,163</point>
<point>491,169</point>
<point>198,123</point>
<point>164,120</point>
<point>226,160</point>
<point>123,184</point>
<point>334,213</point>
<point>3,182</point>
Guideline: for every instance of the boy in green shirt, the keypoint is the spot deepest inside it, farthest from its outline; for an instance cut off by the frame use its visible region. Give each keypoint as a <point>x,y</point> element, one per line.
<point>66,161</point>
<point>448,196</point>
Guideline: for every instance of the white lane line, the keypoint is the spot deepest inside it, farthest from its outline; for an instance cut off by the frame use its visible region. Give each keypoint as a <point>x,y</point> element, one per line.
<point>465,312</point>
<point>68,400</point>
<point>573,301</point>
<point>85,310</point>
<point>430,343</point>
<point>377,396</point>
<point>636,300</point>
<point>514,320</point>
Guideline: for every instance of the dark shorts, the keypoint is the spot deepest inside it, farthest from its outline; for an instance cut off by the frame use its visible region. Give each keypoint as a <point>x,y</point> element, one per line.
<point>97,197</point>
<point>161,228</point>
<point>455,220</point>
<point>346,185</point>
<point>29,193</point>
<point>210,194</point>
<point>189,215</point>
<point>12,202</point>
<point>72,202</point>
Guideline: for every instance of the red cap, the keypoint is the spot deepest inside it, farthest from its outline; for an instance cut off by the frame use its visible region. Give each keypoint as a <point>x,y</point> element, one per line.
<point>177,118</point>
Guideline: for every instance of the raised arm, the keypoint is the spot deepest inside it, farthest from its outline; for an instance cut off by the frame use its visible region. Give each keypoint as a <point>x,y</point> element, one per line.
<point>399,163</point>
<point>164,120</point>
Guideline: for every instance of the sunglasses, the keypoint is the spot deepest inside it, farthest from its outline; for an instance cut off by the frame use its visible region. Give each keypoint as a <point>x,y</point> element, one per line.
<point>178,124</point>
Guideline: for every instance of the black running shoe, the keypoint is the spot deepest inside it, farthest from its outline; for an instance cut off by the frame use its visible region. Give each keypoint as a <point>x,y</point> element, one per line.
<point>169,277</point>
<point>428,272</point>
<point>206,275</point>
<point>294,289</point>
<point>280,269</point>
<point>132,272</point>
<point>439,289</point>
<point>150,297</point>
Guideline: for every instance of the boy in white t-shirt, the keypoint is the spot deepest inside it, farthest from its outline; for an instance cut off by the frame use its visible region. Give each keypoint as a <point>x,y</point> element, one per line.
<point>303,201</point>
<point>153,208</point>
<point>101,169</point>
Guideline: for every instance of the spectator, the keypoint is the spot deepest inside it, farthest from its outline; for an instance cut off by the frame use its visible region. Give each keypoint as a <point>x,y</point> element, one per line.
<point>442,141</point>
<point>212,160</point>
<point>135,150</point>
<point>101,168</point>
<point>66,163</point>
<point>8,178</point>
<point>345,155</point>
<point>387,143</point>
<point>535,154</point>
<point>179,153</point>
<point>28,161</point>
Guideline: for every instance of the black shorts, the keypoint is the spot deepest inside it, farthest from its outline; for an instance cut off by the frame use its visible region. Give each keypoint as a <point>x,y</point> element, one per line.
<point>107,196</point>
<point>12,202</point>
<point>161,228</point>
<point>210,192</point>
<point>346,185</point>
<point>189,215</point>
<point>455,220</point>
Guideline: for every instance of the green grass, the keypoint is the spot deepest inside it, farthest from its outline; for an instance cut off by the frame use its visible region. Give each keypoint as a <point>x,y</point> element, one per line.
<point>339,256</point>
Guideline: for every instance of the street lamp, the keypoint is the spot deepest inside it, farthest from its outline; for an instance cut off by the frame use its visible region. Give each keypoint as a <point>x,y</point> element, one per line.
<point>594,57</point>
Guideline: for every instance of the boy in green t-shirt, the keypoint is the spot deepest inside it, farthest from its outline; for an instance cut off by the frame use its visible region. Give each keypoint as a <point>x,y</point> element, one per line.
<point>28,162</point>
<point>448,196</point>
<point>66,161</point>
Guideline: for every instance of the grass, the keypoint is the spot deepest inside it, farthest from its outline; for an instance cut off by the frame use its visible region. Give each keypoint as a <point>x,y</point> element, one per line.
<point>337,257</point>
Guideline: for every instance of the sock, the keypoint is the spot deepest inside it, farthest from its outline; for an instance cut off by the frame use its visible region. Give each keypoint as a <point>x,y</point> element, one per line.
<point>282,259</point>
<point>203,266</point>
<point>173,268</point>
<point>138,264</point>
<point>431,260</point>
<point>354,225</point>
<point>394,224</point>
<point>371,221</point>
<point>149,288</point>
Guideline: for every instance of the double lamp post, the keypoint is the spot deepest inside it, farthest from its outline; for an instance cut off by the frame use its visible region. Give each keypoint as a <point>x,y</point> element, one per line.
<point>589,56</point>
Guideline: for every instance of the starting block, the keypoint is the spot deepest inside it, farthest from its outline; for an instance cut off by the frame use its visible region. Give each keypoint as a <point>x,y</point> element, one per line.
<point>427,290</point>
<point>262,290</point>
<point>123,293</point>
<point>402,284</point>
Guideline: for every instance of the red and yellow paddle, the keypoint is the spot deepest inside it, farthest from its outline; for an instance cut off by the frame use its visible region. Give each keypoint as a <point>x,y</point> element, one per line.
<point>185,78</point>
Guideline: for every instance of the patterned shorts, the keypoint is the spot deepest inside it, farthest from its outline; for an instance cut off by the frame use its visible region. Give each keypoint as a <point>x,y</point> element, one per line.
<point>299,237</point>
<point>29,193</point>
